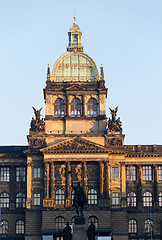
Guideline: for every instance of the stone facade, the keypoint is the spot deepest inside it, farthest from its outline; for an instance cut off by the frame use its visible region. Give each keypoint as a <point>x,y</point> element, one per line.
<point>76,142</point>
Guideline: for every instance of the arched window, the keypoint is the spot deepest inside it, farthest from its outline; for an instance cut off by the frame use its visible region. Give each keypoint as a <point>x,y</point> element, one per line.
<point>94,220</point>
<point>148,224</point>
<point>20,200</point>
<point>92,196</point>
<point>92,107</point>
<point>76,107</point>
<point>4,227</point>
<point>19,227</point>
<point>147,199</point>
<point>131,199</point>
<point>59,223</point>
<point>160,199</point>
<point>59,196</point>
<point>59,108</point>
<point>4,200</point>
<point>75,39</point>
<point>132,226</point>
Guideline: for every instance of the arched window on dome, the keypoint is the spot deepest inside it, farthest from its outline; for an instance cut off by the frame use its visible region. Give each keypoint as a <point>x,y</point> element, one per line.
<point>92,107</point>
<point>59,108</point>
<point>76,107</point>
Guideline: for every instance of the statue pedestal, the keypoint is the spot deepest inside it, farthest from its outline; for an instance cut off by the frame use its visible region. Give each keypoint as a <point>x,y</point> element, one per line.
<point>79,229</point>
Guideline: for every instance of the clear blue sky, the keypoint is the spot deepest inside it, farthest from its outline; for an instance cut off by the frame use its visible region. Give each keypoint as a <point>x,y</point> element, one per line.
<point>124,35</point>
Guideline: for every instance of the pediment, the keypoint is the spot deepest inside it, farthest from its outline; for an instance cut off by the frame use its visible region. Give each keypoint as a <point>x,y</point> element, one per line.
<point>75,87</point>
<point>75,145</point>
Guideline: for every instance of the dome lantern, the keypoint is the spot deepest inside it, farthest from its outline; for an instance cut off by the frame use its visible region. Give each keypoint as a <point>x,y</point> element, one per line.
<point>75,44</point>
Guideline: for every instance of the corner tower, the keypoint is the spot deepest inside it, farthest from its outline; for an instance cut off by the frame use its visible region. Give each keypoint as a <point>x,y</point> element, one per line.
<point>75,95</point>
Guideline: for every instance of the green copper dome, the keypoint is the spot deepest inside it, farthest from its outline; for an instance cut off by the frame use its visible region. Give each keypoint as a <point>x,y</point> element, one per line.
<point>75,65</point>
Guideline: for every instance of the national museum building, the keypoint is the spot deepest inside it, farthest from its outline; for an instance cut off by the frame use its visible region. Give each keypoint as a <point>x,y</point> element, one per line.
<point>76,142</point>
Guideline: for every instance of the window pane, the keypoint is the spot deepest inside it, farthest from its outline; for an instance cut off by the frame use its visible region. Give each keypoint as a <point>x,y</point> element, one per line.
<point>147,199</point>
<point>115,198</point>
<point>59,196</point>
<point>36,199</point>
<point>132,226</point>
<point>92,196</point>
<point>115,172</point>
<point>131,173</point>
<point>5,174</point>
<point>4,200</point>
<point>147,173</point>
<point>36,172</point>
<point>19,227</point>
<point>20,174</point>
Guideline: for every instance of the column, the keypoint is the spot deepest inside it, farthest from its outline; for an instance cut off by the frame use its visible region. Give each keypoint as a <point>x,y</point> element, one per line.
<point>83,105</point>
<point>123,177</point>
<point>53,181</point>
<point>12,190</point>
<point>67,106</point>
<point>85,178</point>
<point>46,180</point>
<point>155,171</point>
<point>101,178</point>
<point>107,178</point>
<point>29,182</point>
<point>140,179</point>
<point>68,167</point>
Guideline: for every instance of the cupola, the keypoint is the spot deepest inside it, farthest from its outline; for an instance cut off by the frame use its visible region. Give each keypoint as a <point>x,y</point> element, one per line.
<point>75,44</point>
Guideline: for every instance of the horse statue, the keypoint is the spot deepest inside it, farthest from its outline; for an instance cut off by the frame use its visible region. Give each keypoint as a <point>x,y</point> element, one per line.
<point>79,199</point>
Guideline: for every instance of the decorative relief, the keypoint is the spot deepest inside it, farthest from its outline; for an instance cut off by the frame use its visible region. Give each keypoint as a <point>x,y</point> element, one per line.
<point>76,145</point>
<point>62,174</point>
<point>79,172</point>
<point>28,203</point>
<point>48,203</point>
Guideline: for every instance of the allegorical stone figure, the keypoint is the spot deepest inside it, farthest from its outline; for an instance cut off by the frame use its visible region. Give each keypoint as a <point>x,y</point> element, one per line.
<point>91,232</point>
<point>79,199</point>
<point>67,235</point>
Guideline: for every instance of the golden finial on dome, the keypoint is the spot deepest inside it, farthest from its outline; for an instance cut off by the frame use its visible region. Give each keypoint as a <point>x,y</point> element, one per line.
<point>74,17</point>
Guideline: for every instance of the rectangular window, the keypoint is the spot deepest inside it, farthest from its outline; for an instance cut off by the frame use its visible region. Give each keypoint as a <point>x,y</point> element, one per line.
<point>36,199</point>
<point>36,172</point>
<point>115,172</point>
<point>147,173</point>
<point>115,198</point>
<point>5,174</point>
<point>131,173</point>
<point>160,172</point>
<point>20,174</point>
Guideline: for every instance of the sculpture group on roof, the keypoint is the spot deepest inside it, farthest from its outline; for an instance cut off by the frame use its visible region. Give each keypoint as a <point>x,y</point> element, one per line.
<point>37,124</point>
<point>114,124</point>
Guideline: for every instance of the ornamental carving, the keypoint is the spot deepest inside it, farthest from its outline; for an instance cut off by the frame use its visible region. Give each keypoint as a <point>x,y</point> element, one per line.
<point>114,124</point>
<point>62,174</point>
<point>79,172</point>
<point>37,142</point>
<point>76,145</point>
